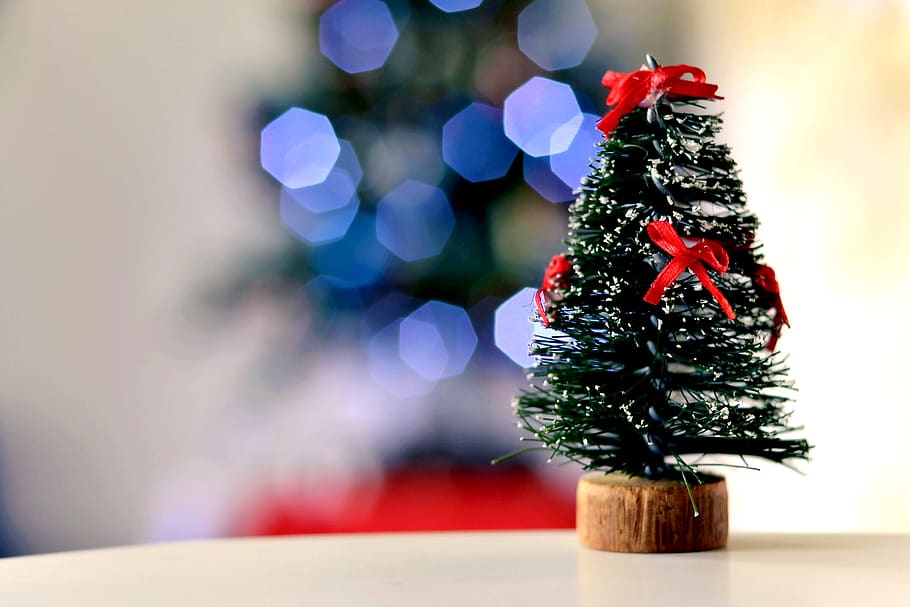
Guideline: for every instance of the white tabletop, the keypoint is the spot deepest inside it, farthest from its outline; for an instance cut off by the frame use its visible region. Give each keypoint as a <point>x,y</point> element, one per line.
<point>474,569</point>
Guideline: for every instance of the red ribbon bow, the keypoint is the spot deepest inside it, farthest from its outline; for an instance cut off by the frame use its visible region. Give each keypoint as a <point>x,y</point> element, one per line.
<point>627,91</point>
<point>702,252</point>
<point>766,280</point>
<point>556,277</point>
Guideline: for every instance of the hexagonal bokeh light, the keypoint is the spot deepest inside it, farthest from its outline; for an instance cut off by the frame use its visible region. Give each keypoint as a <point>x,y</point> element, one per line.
<point>513,327</point>
<point>474,144</point>
<point>299,148</point>
<point>355,260</point>
<point>388,370</point>
<point>357,35</point>
<point>337,189</point>
<point>542,116</point>
<point>414,220</point>
<point>315,228</point>
<point>574,164</point>
<point>456,6</point>
<point>556,34</point>
<point>437,340</point>
<point>348,161</point>
<point>539,175</point>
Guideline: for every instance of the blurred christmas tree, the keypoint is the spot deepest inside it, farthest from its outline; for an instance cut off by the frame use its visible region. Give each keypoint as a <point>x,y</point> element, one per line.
<point>426,183</point>
<point>425,146</point>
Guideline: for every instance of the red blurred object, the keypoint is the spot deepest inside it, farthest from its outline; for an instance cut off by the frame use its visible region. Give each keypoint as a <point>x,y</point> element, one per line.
<point>436,499</point>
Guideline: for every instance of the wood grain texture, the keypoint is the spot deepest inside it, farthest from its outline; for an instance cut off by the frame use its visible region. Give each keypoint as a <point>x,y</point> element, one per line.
<point>620,513</point>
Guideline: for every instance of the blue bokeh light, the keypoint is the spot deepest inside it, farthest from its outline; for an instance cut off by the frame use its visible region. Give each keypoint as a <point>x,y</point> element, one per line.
<point>556,34</point>
<point>299,148</point>
<point>542,116</point>
<point>348,161</point>
<point>456,6</point>
<point>414,221</point>
<point>474,144</point>
<point>387,369</point>
<point>315,228</point>
<point>513,327</point>
<point>355,260</point>
<point>437,340</point>
<point>421,348</point>
<point>538,175</point>
<point>357,35</point>
<point>333,193</point>
<point>337,189</point>
<point>574,164</point>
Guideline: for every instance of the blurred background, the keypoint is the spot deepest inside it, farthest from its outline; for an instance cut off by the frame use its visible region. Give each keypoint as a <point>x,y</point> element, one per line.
<point>202,338</point>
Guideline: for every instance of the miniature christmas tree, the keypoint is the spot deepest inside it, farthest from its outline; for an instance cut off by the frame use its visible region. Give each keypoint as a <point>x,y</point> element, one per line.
<point>663,316</point>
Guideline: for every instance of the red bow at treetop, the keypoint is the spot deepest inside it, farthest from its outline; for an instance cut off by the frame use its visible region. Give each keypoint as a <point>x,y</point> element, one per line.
<point>702,252</point>
<point>766,280</point>
<point>628,91</point>
<point>556,277</point>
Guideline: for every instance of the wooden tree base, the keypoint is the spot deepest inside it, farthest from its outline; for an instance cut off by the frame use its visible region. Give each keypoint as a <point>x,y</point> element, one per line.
<point>630,514</point>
